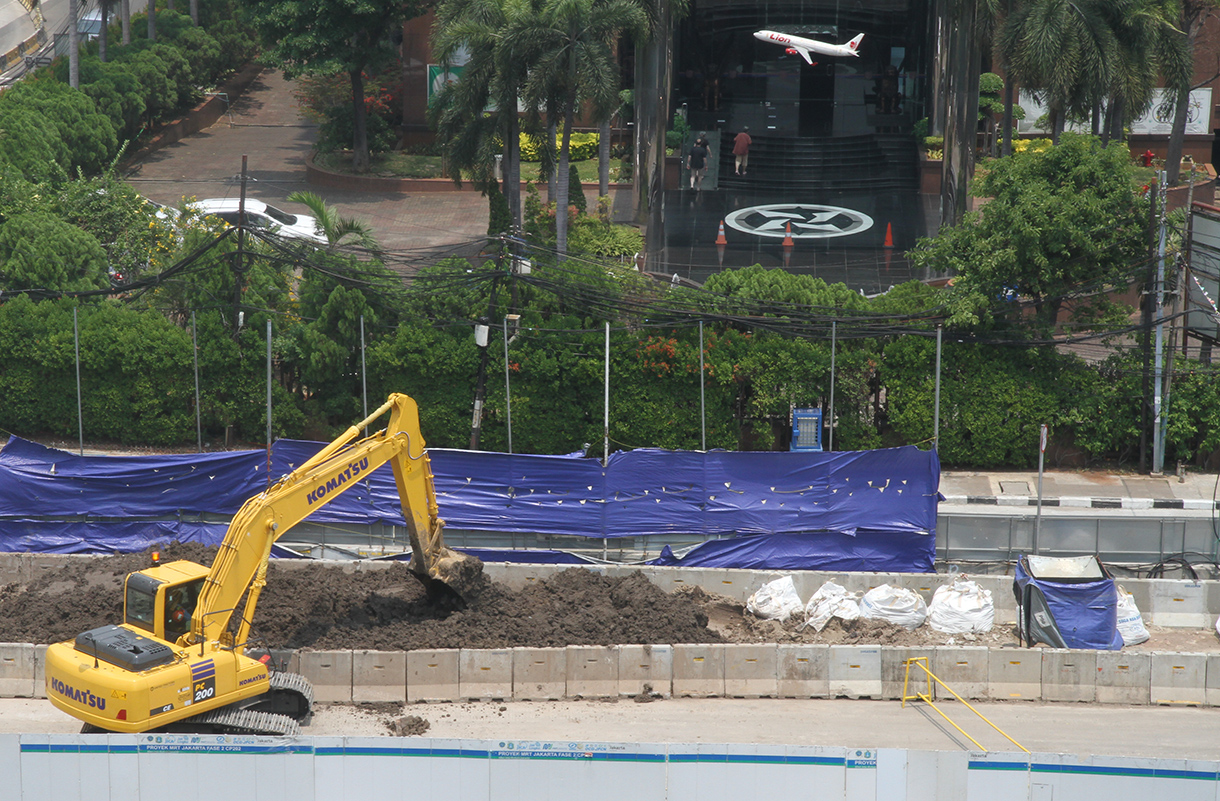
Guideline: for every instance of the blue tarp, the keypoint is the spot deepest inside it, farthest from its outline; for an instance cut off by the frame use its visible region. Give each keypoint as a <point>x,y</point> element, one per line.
<point>827,550</point>
<point>1085,613</point>
<point>525,556</point>
<point>879,502</point>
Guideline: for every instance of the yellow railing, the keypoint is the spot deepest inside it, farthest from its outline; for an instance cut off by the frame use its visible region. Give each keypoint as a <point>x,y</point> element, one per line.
<point>926,697</point>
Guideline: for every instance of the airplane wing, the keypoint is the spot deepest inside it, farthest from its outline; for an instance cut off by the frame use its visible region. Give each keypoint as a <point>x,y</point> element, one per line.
<point>804,54</point>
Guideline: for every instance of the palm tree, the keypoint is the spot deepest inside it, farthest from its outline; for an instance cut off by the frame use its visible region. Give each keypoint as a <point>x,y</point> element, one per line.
<point>339,231</point>
<point>571,48</point>
<point>492,77</point>
<point>1193,14</point>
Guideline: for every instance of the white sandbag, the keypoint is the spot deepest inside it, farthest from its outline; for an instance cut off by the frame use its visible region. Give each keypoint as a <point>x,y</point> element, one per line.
<point>775,600</point>
<point>962,607</point>
<point>896,605</point>
<point>829,601</point>
<point>1130,623</point>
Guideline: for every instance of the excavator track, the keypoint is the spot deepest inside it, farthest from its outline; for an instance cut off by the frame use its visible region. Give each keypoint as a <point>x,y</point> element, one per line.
<point>291,694</point>
<point>246,721</point>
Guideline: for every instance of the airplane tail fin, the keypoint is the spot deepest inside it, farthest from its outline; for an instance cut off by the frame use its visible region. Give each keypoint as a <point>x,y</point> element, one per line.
<point>854,44</point>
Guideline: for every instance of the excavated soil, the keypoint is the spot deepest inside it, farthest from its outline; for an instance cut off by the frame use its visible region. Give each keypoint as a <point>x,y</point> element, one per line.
<point>340,607</point>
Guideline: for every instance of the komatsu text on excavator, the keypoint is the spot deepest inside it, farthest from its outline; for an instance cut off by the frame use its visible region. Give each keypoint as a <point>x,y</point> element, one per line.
<point>178,661</point>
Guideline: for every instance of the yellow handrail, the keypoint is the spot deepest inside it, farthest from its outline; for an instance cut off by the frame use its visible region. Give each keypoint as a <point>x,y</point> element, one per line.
<point>926,697</point>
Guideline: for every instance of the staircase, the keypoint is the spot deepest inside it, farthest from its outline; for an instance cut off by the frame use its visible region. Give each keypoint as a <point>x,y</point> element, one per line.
<point>869,162</point>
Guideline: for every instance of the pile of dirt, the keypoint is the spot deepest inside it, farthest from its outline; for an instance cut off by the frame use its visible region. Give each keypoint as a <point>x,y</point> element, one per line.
<point>325,607</point>
<point>340,607</point>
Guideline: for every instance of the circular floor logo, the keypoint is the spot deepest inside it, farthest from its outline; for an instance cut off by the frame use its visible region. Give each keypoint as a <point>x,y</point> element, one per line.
<point>807,220</point>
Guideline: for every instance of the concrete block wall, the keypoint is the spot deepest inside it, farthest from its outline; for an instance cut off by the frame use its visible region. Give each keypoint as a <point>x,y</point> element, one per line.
<point>1014,674</point>
<point>719,670</point>
<point>1069,675</point>
<point>855,671</point>
<point>379,676</point>
<point>539,674</point>
<point>803,671</point>
<point>592,671</point>
<point>645,668</point>
<point>698,670</point>
<point>751,671</point>
<point>433,676</point>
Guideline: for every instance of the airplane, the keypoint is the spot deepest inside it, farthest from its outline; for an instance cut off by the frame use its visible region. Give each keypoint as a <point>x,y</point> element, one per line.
<point>799,44</point>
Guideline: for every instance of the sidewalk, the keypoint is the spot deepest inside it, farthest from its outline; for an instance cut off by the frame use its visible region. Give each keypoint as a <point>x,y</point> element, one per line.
<point>1088,490</point>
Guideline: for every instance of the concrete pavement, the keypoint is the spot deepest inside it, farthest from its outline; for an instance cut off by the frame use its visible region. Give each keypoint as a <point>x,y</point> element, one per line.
<point>1087,489</point>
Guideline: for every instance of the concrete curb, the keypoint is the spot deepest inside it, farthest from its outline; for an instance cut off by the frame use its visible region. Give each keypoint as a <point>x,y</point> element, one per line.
<point>1081,503</point>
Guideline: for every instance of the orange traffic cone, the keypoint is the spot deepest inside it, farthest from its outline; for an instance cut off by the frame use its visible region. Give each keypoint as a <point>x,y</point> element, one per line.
<point>720,240</point>
<point>889,235</point>
<point>788,235</point>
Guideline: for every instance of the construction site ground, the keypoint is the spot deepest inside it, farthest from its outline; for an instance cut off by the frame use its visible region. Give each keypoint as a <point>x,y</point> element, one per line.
<point>325,606</point>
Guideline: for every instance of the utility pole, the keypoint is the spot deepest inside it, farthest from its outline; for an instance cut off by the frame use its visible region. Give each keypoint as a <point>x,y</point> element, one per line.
<point>1158,446</point>
<point>481,332</point>
<point>239,264</point>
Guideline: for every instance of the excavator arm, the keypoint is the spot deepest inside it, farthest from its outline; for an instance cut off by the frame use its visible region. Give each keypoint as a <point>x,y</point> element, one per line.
<point>241,562</point>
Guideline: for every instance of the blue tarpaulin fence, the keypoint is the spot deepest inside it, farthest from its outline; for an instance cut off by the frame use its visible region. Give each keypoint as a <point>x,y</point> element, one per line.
<point>875,510</point>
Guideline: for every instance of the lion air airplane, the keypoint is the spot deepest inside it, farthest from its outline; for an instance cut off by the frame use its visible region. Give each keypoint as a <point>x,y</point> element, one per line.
<point>798,44</point>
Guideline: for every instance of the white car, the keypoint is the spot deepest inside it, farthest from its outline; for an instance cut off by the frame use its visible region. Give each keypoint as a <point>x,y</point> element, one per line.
<point>261,215</point>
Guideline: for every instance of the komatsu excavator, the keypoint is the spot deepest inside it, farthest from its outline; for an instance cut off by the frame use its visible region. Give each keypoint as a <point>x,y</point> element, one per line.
<point>178,661</point>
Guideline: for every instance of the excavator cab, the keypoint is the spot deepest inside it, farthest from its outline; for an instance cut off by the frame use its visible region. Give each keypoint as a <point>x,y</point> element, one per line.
<point>161,599</point>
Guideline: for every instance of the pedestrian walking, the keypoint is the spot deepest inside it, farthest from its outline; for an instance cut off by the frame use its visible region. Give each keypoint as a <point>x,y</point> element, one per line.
<point>696,162</point>
<point>741,149</point>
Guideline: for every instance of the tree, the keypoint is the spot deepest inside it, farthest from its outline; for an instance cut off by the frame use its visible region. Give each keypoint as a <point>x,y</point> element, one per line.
<point>570,46</point>
<point>1194,14</point>
<point>491,78</point>
<point>339,231</point>
<point>328,36</point>
<point>40,251</point>
<point>1059,220</point>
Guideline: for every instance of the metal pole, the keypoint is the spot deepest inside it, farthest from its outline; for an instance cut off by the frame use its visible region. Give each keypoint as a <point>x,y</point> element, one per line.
<point>702,390</point>
<point>830,435</point>
<point>936,402</point>
<point>80,418</point>
<point>1158,455</point>
<point>508,396</point>
<point>198,414</point>
<point>241,246</point>
<point>1041,456</point>
<point>364,377</point>
<point>606,415</point>
<point>268,403</point>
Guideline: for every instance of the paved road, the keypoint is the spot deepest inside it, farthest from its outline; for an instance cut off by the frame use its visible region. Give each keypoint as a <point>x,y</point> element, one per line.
<point>1166,732</point>
<point>267,127</point>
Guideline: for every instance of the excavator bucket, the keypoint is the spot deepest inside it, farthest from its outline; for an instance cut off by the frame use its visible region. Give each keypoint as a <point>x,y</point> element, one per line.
<point>450,578</point>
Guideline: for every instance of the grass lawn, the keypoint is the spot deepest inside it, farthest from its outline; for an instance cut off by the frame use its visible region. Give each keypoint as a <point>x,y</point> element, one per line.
<point>404,165</point>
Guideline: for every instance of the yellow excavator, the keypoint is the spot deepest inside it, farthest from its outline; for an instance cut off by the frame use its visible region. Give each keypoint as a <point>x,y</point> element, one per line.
<point>178,661</point>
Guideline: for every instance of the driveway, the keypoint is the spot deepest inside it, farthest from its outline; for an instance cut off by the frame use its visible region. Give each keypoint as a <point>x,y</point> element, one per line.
<point>267,126</point>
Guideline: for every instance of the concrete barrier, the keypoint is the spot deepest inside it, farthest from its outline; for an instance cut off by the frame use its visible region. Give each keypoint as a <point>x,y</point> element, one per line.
<point>433,676</point>
<point>16,670</point>
<point>1141,593</point>
<point>40,671</point>
<point>518,577</point>
<point>733,584</point>
<point>855,671</point>
<point>1178,604</point>
<point>1124,677</point>
<point>485,674</point>
<point>1211,687</point>
<point>963,668</point>
<point>699,670</point>
<point>1178,678</point>
<point>379,676</point>
<point>645,669</point>
<point>1069,675</point>
<point>1014,673</point>
<point>803,671</point>
<point>539,674</point>
<point>592,671</point>
<point>1005,603</point>
<point>330,673</point>
<point>750,671</point>
<point>894,670</point>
